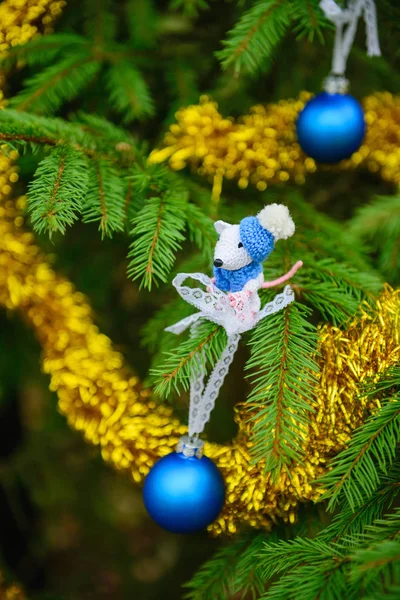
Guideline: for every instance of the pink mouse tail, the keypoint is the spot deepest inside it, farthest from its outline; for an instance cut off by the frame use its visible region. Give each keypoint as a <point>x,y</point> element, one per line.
<point>288,275</point>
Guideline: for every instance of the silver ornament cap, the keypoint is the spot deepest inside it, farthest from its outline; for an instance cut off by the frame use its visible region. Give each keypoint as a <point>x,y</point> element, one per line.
<point>190,446</point>
<point>336,84</point>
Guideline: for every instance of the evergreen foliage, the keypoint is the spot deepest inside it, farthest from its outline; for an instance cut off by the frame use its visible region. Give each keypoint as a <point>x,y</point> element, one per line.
<point>128,91</point>
<point>254,38</point>
<point>378,225</point>
<point>204,347</point>
<point>367,567</point>
<point>233,570</point>
<point>284,376</point>
<point>104,202</point>
<point>72,62</point>
<point>95,97</point>
<point>57,192</point>
<point>158,235</point>
<point>357,471</point>
<point>45,92</point>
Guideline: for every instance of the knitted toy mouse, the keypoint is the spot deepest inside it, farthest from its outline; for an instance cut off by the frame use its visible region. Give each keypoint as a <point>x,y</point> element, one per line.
<point>241,249</point>
<point>231,297</point>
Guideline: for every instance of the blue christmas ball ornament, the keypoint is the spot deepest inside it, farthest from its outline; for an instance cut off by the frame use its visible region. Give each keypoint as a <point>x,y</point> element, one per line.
<point>331,127</point>
<point>184,491</point>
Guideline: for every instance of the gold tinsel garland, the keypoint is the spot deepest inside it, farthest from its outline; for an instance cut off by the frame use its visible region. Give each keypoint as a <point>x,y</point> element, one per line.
<point>103,401</point>
<point>10,592</point>
<point>20,20</point>
<point>261,148</point>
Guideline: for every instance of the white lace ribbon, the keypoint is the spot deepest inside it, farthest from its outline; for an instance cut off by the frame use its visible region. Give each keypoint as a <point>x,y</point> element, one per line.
<point>237,313</point>
<point>344,38</point>
<point>203,397</point>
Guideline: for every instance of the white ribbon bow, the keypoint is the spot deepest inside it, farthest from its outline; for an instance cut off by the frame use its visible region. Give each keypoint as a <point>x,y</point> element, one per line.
<point>237,312</point>
<point>344,39</point>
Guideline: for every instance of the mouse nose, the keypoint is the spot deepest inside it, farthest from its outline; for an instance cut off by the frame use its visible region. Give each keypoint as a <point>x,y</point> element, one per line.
<point>218,262</point>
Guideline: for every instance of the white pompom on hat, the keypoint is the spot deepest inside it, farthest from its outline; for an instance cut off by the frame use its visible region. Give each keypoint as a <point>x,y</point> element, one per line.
<point>276,219</point>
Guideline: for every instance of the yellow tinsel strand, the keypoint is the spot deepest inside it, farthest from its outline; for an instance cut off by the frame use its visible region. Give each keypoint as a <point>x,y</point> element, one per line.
<point>20,19</point>
<point>262,148</point>
<point>10,592</point>
<point>107,405</point>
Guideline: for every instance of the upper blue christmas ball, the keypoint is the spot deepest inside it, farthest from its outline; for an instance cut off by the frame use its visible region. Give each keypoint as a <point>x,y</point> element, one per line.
<point>331,127</point>
<point>184,493</point>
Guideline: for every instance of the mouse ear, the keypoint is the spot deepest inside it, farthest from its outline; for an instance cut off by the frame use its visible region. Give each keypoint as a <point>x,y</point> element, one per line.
<point>220,226</point>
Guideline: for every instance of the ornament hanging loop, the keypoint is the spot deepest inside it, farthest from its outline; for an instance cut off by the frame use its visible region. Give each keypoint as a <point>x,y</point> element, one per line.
<point>346,21</point>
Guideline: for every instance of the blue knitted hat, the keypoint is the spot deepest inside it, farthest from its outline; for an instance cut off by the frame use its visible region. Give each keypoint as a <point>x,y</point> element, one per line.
<point>259,234</point>
<point>259,242</point>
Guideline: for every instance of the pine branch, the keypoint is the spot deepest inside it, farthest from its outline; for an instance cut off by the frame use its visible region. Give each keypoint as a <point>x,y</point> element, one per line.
<point>154,337</point>
<point>337,290</point>
<point>232,570</point>
<point>356,472</point>
<point>153,334</point>
<point>321,568</point>
<point>158,230</point>
<point>43,50</point>
<point>102,129</point>
<point>389,380</point>
<point>159,342</point>
<point>310,19</point>
<point>378,224</point>
<point>104,202</point>
<point>282,556</point>
<point>378,570</point>
<point>204,348</point>
<point>349,522</point>
<point>382,529</point>
<point>129,94</point>
<point>324,581</point>
<point>282,348</point>
<point>254,38</point>
<point>25,136</point>
<point>375,563</point>
<point>65,79</point>
<point>46,91</point>
<point>56,193</point>
<point>29,129</point>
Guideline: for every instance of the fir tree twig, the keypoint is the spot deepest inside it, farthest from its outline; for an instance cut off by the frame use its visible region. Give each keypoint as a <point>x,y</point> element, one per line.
<point>255,36</point>
<point>357,470</point>
<point>282,349</point>
<point>57,191</point>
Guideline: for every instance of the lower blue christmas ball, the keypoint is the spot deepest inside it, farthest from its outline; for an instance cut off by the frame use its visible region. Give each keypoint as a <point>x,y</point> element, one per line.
<point>184,494</point>
<point>331,127</point>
